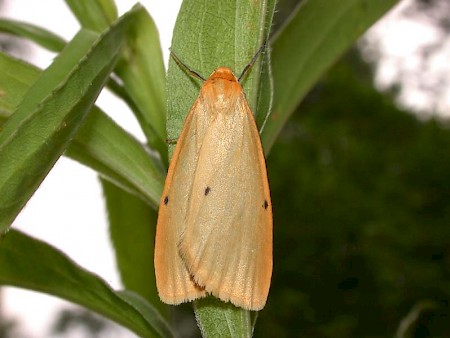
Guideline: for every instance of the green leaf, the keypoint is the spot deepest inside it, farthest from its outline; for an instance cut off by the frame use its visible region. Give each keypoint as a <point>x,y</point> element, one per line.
<point>317,33</point>
<point>265,91</point>
<point>34,137</point>
<point>132,229</point>
<point>209,34</point>
<point>29,263</point>
<point>142,72</point>
<point>34,33</point>
<point>52,42</point>
<point>117,156</point>
<point>265,94</point>
<point>141,69</point>
<point>95,15</point>
<point>100,143</point>
<point>220,319</point>
<point>213,34</point>
<point>16,77</point>
<point>149,313</point>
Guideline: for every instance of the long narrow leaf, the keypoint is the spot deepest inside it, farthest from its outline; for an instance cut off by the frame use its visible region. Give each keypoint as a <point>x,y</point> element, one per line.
<point>100,143</point>
<point>29,263</point>
<point>314,37</point>
<point>38,132</point>
<point>16,77</point>
<point>141,70</point>
<point>239,29</point>
<point>53,42</point>
<point>95,15</point>
<point>223,320</point>
<point>117,156</point>
<point>132,229</point>
<point>209,34</point>
<point>39,35</point>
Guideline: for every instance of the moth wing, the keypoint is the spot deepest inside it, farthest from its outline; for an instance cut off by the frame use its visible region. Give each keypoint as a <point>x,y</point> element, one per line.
<point>227,243</point>
<point>174,283</point>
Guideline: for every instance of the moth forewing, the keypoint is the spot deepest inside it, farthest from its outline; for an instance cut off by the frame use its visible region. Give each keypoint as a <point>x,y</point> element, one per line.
<point>173,281</point>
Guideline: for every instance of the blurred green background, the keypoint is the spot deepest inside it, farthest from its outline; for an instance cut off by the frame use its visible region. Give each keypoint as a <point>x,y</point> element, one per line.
<point>361,195</point>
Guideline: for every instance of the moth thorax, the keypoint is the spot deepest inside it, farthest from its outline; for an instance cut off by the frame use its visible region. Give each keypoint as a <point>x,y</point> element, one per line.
<point>222,96</point>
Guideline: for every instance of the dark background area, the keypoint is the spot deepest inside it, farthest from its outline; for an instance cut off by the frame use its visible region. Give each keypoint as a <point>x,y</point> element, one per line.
<point>361,196</point>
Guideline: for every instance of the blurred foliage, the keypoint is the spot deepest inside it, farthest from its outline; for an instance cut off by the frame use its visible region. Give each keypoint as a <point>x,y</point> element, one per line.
<point>417,69</point>
<point>10,44</point>
<point>361,196</point>
<point>6,329</point>
<point>434,12</point>
<point>284,9</point>
<point>9,327</point>
<point>79,320</point>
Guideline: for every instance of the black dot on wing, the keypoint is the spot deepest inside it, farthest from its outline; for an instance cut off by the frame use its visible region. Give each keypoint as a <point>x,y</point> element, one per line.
<point>265,204</point>
<point>207,190</point>
<point>166,200</point>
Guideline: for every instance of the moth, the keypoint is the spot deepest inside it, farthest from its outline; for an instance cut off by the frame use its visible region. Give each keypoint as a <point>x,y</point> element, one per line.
<point>214,228</point>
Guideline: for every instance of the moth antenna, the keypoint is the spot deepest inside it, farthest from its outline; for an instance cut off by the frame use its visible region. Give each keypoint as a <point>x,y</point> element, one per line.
<point>183,65</point>
<point>252,61</point>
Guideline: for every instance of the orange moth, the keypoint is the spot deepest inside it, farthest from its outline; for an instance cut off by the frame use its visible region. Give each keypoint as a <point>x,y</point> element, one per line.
<point>214,229</point>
